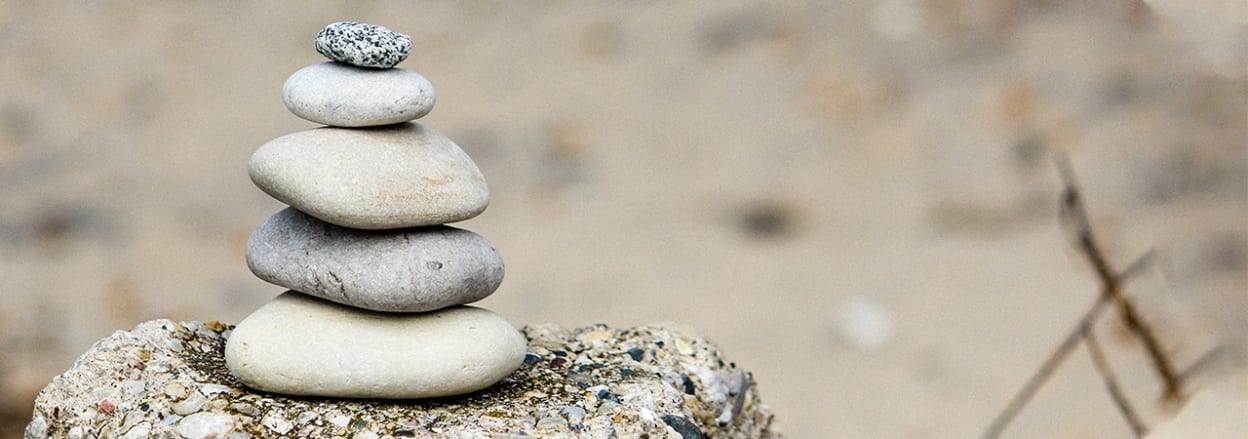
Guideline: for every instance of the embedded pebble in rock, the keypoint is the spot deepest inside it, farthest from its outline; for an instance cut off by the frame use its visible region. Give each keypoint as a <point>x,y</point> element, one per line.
<point>277,422</point>
<point>176,391</point>
<point>624,398</point>
<point>301,345</point>
<point>190,405</point>
<point>575,415</point>
<point>388,177</point>
<point>405,270</point>
<point>205,426</point>
<point>687,430</point>
<point>213,389</point>
<point>364,45</point>
<point>347,96</point>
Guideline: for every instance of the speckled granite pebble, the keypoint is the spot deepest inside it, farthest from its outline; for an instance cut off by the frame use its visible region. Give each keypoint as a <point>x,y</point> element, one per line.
<point>404,270</point>
<point>572,370</point>
<point>340,95</point>
<point>389,177</point>
<point>364,45</point>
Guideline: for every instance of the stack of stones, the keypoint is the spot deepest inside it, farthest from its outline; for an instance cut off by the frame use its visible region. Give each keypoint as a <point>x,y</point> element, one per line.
<point>378,282</point>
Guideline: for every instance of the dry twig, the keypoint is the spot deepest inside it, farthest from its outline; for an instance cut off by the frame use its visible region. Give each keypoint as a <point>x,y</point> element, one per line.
<point>1111,381</point>
<point>1059,355</point>
<point>1072,207</point>
<point>1111,291</point>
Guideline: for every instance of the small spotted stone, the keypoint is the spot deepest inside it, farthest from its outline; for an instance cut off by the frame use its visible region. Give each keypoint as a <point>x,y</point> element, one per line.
<point>364,45</point>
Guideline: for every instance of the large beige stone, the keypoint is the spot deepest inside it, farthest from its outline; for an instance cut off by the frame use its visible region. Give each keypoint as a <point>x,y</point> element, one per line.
<point>301,345</point>
<point>389,177</point>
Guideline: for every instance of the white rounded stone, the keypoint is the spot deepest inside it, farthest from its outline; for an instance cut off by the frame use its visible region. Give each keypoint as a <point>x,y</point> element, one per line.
<point>301,345</point>
<point>405,270</point>
<point>342,95</point>
<point>389,177</point>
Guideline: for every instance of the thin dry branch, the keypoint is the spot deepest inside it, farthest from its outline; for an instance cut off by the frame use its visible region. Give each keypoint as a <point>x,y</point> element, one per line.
<point>1111,291</point>
<point>1073,208</point>
<point>1059,355</point>
<point>1111,382</point>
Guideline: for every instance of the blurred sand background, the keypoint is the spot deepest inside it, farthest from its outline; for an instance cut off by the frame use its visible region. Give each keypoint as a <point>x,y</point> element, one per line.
<point>855,199</point>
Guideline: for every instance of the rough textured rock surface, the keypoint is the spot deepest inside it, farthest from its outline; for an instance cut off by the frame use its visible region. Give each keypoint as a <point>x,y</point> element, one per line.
<point>405,270</point>
<point>168,379</point>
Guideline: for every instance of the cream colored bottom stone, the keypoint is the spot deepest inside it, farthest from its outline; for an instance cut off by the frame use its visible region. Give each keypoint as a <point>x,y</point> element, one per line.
<point>300,345</point>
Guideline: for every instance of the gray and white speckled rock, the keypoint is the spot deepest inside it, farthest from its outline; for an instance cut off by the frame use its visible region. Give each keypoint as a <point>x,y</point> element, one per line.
<point>389,177</point>
<point>565,371</point>
<point>301,345</point>
<point>364,45</point>
<point>341,95</point>
<point>403,270</point>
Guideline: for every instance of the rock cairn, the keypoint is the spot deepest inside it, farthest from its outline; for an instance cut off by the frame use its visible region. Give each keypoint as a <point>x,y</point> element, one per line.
<point>378,282</point>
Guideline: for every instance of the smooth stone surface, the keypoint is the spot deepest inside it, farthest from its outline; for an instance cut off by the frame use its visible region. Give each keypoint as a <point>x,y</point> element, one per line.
<point>301,345</point>
<point>389,177</point>
<point>545,398</point>
<point>364,45</point>
<point>404,270</point>
<point>341,95</point>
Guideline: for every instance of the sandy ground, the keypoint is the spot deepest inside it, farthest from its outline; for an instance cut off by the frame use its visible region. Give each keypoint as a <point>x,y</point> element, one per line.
<point>856,200</point>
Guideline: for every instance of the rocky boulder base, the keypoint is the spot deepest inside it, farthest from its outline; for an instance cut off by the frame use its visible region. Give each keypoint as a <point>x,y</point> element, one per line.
<point>169,379</point>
